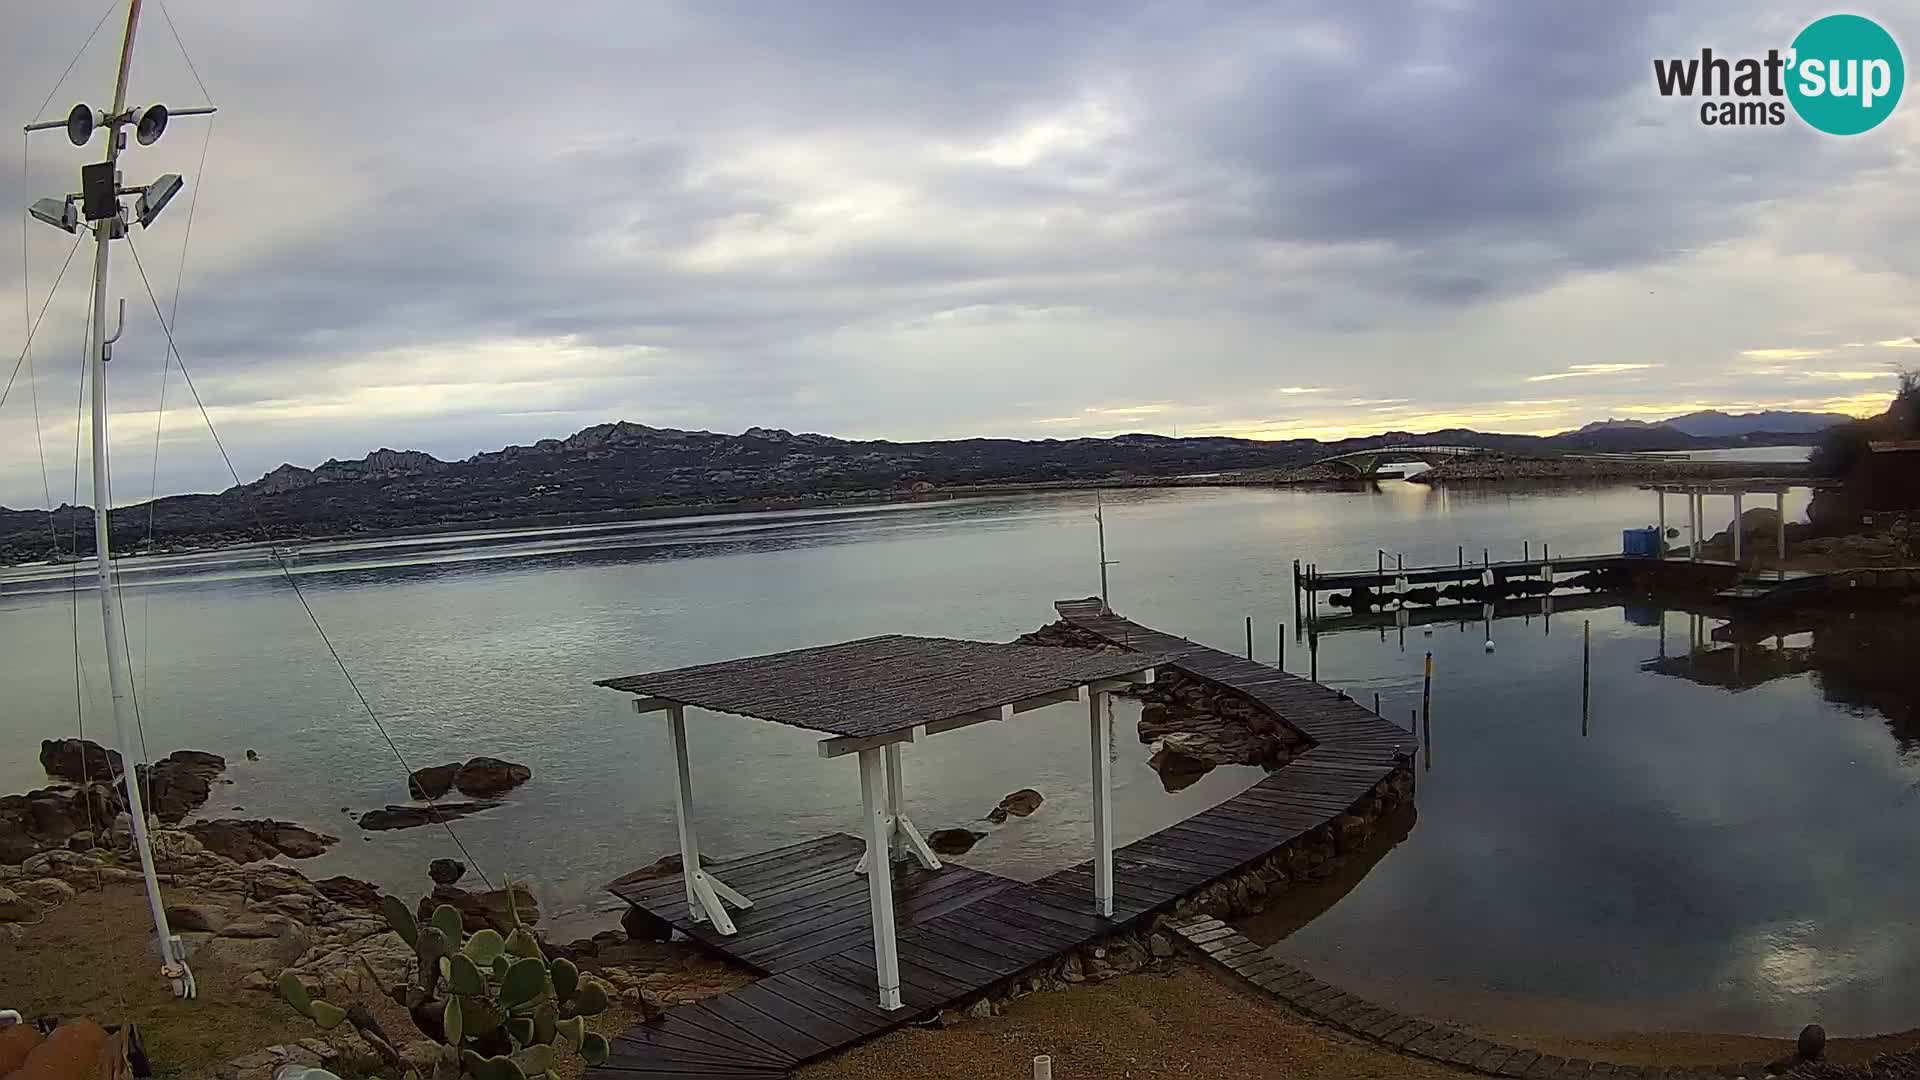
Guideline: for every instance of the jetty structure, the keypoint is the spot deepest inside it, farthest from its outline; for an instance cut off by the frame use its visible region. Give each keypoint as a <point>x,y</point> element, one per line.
<point>847,952</point>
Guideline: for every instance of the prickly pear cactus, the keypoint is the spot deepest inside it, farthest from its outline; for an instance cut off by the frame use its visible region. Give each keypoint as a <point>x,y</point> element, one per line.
<point>502,1009</point>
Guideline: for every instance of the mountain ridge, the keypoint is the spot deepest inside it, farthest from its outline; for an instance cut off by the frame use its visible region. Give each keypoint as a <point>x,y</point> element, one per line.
<point>623,467</point>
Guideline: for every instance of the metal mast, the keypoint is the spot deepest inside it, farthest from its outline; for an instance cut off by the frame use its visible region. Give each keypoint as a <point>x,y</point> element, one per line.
<point>99,199</point>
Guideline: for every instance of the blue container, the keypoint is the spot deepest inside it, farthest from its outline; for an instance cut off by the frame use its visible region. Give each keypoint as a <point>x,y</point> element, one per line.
<point>1640,543</point>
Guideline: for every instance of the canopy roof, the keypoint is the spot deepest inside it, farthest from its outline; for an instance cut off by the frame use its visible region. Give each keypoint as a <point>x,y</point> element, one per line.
<point>881,685</point>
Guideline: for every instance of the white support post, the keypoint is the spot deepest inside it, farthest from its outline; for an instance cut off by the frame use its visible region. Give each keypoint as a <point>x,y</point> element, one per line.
<point>1693,525</point>
<point>1736,530</point>
<point>1780,524</point>
<point>877,826</point>
<point>707,896</point>
<point>1661,548</point>
<point>1102,804</point>
<point>904,838</point>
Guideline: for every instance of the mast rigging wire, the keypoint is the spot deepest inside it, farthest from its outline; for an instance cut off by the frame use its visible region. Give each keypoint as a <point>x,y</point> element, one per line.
<point>281,562</point>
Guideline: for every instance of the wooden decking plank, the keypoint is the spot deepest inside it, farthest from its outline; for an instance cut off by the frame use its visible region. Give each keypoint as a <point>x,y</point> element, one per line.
<point>689,1043</point>
<point>1048,938</point>
<point>819,980</point>
<point>738,1010</point>
<point>704,1016</point>
<point>943,940</point>
<point>812,1023</point>
<point>1019,953</point>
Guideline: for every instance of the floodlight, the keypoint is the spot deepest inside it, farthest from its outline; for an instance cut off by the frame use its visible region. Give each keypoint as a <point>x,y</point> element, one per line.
<point>58,213</point>
<point>151,125</point>
<point>80,125</point>
<point>155,198</point>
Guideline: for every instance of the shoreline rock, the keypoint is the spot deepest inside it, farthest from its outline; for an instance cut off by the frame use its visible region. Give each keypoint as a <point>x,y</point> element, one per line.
<point>79,760</point>
<point>246,841</point>
<point>479,777</point>
<point>412,817</point>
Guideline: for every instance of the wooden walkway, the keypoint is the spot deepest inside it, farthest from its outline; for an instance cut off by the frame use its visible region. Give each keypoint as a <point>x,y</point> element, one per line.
<point>963,932</point>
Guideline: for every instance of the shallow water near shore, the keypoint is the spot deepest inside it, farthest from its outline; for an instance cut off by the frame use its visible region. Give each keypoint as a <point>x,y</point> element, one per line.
<point>1700,858</point>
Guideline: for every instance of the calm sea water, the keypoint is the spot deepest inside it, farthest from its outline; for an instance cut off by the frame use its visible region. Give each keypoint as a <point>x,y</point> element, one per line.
<point>1698,857</point>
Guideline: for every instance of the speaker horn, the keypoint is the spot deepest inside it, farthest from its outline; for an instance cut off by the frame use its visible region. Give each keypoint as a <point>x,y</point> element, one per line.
<point>151,125</point>
<point>79,125</point>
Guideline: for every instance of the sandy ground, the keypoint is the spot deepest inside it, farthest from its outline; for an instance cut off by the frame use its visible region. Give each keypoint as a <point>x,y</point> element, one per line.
<point>1183,1023</point>
<point>90,958</point>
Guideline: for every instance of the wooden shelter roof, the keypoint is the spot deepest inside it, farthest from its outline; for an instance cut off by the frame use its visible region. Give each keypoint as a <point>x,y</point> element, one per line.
<point>881,685</point>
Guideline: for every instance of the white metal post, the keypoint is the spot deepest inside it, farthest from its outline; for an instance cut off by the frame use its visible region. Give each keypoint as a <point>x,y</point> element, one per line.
<point>1736,530</point>
<point>1693,525</point>
<point>1661,548</point>
<point>705,892</point>
<point>886,959</point>
<point>171,966</point>
<point>683,807</point>
<point>1780,523</point>
<point>1102,803</point>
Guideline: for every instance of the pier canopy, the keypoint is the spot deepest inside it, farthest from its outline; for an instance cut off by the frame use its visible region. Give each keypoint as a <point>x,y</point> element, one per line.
<point>868,697</point>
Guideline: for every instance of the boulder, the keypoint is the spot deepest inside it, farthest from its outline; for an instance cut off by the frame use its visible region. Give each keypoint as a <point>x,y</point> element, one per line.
<point>412,817</point>
<point>446,871</point>
<point>79,760</point>
<point>1177,765</point>
<point>484,777</point>
<point>1812,1044</point>
<point>195,919</point>
<point>258,840</point>
<point>432,781</point>
<point>47,892</point>
<point>953,841</point>
<point>179,783</point>
<point>643,925</point>
<point>483,909</point>
<point>16,908</point>
<point>1022,802</point>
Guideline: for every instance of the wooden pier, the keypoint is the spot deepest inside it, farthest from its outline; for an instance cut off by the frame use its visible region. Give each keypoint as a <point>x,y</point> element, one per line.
<point>963,932</point>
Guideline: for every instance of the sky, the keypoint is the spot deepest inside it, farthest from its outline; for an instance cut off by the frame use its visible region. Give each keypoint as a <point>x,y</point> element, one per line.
<point>452,227</point>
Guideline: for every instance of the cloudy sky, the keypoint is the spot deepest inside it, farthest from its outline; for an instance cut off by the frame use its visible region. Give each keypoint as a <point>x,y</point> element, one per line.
<point>455,226</point>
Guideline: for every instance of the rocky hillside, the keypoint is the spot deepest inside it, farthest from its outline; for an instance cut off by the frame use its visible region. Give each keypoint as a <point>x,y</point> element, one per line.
<point>624,467</point>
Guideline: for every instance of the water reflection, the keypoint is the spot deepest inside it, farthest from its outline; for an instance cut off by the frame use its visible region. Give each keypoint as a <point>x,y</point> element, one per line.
<point>1726,847</point>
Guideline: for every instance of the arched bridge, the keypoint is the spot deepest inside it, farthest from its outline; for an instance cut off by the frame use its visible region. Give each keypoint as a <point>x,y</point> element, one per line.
<point>1367,462</point>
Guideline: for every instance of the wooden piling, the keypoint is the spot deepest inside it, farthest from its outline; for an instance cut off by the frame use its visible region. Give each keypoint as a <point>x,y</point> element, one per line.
<point>1526,551</point>
<point>1280,646</point>
<point>1376,703</point>
<point>1426,736</point>
<point>1426,698</point>
<point>1249,637</point>
<point>1586,671</point>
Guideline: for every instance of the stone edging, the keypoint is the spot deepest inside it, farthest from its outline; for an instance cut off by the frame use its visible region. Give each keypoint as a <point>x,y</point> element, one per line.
<point>1409,1035</point>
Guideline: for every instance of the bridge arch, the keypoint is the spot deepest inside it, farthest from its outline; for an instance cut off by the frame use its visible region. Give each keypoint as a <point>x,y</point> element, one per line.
<point>1367,462</point>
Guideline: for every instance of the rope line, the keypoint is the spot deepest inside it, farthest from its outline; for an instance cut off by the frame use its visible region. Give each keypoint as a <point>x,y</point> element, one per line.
<point>35,328</point>
<point>185,55</point>
<point>280,562</point>
<point>111,7</point>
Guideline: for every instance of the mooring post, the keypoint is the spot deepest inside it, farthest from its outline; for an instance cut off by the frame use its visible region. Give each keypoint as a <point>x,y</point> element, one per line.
<point>1426,736</point>
<point>1426,697</point>
<point>1586,671</point>
<point>1280,646</point>
<point>1376,703</point>
<point>1460,554</point>
<point>1249,637</point>
<point>1313,654</point>
<point>1780,525</point>
<point>1526,551</point>
<point>1380,560</point>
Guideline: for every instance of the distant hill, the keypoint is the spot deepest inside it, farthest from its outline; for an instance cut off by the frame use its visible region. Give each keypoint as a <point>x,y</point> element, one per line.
<point>624,468</point>
<point>1714,424</point>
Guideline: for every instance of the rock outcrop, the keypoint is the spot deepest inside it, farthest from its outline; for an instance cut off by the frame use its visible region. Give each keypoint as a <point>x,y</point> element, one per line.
<point>480,777</point>
<point>446,871</point>
<point>482,910</point>
<point>412,817</point>
<point>79,760</point>
<point>253,841</point>
<point>953,841</point>
<point>179,783</point>
<point>486,777</point>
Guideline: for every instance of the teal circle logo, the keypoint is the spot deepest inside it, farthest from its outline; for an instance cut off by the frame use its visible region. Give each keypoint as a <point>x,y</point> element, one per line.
<point>1845,74</point>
